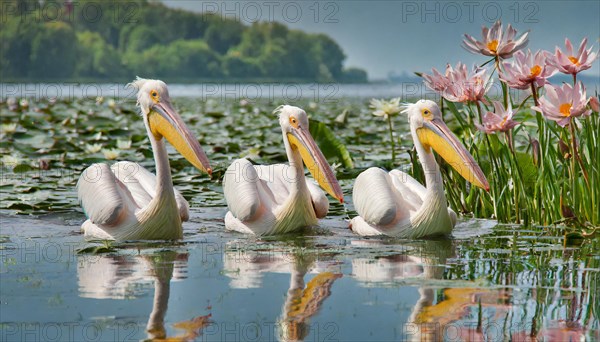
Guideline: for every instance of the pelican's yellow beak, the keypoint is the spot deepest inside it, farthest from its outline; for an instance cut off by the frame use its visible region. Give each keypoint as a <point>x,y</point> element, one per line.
<point>435,134</point>
<point>165,122</point>
<point>314,160</point>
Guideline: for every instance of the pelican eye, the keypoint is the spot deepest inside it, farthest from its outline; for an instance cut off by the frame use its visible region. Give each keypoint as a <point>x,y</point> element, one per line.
<point>294,122</point>
<point>154,95</point>
<point>426,113</point>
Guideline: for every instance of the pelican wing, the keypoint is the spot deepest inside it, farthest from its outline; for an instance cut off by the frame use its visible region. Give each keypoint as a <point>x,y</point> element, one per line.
<point>382,198</point>
<point>240,186</point>
<point>277,180</point>
<point>373,197</point>
<point>100,195</point>
<point>411,191</point>
<point>257,192</point>
<point>319,199</point>
<point>249,187</point>
<point>108,193</point>
<point>141,186</point>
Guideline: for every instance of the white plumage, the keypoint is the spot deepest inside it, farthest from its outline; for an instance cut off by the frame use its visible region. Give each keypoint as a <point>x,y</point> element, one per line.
<point>119,204</point>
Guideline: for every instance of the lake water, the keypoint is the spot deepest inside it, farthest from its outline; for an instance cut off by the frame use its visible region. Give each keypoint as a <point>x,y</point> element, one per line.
<point>486,282</point>
<point>290,92</point>
<point>317,92</point>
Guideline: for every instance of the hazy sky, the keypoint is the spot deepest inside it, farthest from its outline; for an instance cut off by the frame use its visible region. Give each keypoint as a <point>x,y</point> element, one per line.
<point>407,36</point>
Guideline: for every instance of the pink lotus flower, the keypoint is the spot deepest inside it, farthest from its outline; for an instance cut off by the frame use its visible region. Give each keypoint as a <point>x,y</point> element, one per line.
<point>495,42</point>
<point>499,121</point>
<point>526,69</point>
<point>456,85</point>
<point>560,104</point>
<point>569,63</point>
<point>438,82</point>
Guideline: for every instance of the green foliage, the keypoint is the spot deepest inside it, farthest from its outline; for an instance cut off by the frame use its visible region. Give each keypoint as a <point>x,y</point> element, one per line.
<point>50,144</point>
<point>330,54</point>
<point>534,182</point>
<point>141,38</point>
<point>331,147</point>
<point>298,50</point>
<point>272,60</point>
<point>96,58</point>
<point>15,39</point>
<point>182,58</point>
<point>103,17</point>
<point>237,66</point>
<point>354,75</point>
<point>119,39</point>
<point>52,51</point>
<point>221,39</point>
<point>97,249</point>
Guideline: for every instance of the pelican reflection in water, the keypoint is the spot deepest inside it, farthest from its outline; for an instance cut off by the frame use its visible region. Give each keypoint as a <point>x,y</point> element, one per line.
<point>303,300</point>
<point>441,312</point>
<point>127,276</point>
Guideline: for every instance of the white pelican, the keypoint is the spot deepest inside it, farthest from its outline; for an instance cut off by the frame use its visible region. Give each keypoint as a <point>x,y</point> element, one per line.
<point>396,204</point>
<point>127,202</point>
<point>278,199</point>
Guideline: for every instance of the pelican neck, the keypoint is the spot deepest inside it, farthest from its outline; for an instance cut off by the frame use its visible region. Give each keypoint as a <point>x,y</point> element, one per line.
<point>164,183</point>
<point>297,166</point>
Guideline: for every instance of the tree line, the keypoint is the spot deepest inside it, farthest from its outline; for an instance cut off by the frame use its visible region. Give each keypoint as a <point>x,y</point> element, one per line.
<point>109,40</point>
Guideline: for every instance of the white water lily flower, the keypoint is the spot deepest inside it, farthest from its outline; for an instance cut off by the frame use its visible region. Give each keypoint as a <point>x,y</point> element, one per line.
<point>123,144</point>
<point>10,160</point>
<point>385,108</point>
<point>93,148</point>
<point>8,128</point>
<point>335,166</point>
<point>253,153</point>
<point>111,104</point>
<point>110,154</point>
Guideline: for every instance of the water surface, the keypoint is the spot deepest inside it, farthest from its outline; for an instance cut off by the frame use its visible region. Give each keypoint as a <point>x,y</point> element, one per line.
<point>485,282</point>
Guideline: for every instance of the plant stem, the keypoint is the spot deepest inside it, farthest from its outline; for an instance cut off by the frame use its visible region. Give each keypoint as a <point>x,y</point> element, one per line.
<point>574,174</point>
<point>534,94</point>
<point>540,190</point>
<point>495,168</point>
<point>479,112</point>
<point>391,128</point>
<point>504,87</point>
<point>511,143</point>
<point>576,153</point>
